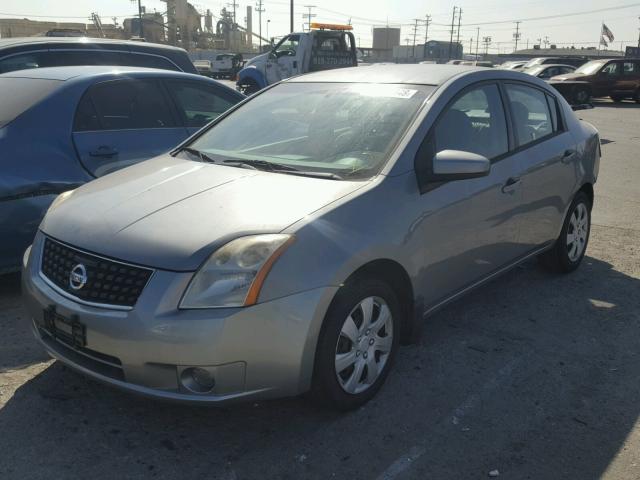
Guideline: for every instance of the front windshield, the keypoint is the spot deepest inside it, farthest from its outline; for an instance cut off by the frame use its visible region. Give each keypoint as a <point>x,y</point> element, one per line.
<point>533,62</point>
<point>590,68</point>
<point>344,129</point>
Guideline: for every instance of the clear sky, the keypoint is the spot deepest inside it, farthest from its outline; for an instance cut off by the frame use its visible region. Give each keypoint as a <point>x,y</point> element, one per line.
<point>580,30</point>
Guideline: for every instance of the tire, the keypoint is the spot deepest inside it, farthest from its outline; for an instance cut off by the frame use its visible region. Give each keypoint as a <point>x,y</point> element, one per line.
<point>249,87</point>
<point>351,387</point>
<point>565,256</point>
<point>637,96</point>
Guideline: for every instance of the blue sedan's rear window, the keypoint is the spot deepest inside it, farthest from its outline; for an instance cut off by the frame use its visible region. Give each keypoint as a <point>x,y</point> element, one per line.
<point>20,94</point>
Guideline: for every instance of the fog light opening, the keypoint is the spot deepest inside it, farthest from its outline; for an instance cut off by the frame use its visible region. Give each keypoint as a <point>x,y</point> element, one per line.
<point>197,380</point>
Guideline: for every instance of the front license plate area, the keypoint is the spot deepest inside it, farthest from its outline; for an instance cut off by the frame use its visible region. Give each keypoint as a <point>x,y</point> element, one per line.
<point>68,330</point>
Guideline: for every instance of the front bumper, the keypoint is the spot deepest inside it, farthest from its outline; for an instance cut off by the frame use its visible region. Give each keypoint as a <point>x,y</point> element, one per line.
<point>263,351</point>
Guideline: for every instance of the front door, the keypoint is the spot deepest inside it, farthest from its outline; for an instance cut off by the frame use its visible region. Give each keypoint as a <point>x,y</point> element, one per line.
<point>605,81</point>
<point>122,122</point>
<point>472,226</point>
<point>284,60</point>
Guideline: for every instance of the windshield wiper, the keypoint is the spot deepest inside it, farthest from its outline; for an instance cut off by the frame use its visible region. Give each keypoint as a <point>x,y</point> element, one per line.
<point>263,165</point>
<point>198,153</point>
<point>281,168</point>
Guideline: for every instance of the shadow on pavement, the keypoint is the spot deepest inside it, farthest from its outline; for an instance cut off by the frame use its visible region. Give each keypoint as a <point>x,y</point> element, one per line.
<point>17,348</point>
<point>599,103</point>
<point>534,374</point>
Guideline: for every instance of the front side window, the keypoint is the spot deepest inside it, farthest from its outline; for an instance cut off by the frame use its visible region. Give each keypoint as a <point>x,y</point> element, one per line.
<point>130,104</point>
<point>20,62</point>
<point>474,123</point>
<point>287,46</point>
<point>611,69</point>
<point>345,129</point>
<point>199,103</point>
<point>530,113</point>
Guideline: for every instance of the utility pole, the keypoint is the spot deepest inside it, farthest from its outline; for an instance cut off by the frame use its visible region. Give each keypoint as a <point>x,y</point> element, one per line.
<point>638,39</point>
<point>291,17</point>
<point>470,45</point>
<point>487,42</point>
<point>259,9</point>
<point>309,15</point>
<point>516,36</point>
<point>458,37</point>
<point>426,34</point>
<point>477,41</point>
<point>140,10</point>
<point>453,22</point>
<point>233,4</point>
<point>415,32</point>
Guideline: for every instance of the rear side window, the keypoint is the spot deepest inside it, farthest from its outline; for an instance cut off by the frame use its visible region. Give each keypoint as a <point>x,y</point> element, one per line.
<point>199,103</point>
<point>630,68</point>
<point>124,105</point>
<point>148,61</point>
<point>474,123</point>
<point>530,112</point>
<point>20,94</point>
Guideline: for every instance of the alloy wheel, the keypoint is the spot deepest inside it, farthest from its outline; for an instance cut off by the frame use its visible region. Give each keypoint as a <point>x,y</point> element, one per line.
<point>578,232</point>
<point>364,345</point>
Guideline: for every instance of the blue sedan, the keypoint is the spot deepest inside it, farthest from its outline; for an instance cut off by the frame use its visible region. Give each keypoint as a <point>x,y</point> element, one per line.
<point>62,127</point>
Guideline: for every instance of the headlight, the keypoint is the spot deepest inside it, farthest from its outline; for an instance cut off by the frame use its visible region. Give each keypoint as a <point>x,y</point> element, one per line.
<point>60,198</point>
<point>234,274</point>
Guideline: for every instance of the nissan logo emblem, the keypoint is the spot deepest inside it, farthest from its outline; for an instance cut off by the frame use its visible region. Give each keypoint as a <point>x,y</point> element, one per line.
<point>78,277</point>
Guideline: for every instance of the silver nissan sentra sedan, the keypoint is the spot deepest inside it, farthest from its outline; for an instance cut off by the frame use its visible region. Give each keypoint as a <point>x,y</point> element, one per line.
<point>297,240</point>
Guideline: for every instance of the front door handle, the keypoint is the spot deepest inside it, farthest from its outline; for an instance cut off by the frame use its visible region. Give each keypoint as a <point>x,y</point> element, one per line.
<point>104,151</point>
<point>568,155</point>
<point>508,187</point>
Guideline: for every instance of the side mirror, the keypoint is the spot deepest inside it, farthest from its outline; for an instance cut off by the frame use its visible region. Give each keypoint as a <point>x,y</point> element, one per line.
<point>458,165</point>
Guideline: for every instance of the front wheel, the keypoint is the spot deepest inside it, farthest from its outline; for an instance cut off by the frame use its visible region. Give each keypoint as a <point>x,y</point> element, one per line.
<point>569,249</point>
<point>357,344</point>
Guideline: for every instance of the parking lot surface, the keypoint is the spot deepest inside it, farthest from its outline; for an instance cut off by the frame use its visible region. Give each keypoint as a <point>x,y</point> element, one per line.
<point>533,375</point>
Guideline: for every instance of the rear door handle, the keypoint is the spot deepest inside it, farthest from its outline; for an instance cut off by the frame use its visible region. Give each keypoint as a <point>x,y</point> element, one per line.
<point>104,151</point>
<point>508,187</point>
<point>568,155</point>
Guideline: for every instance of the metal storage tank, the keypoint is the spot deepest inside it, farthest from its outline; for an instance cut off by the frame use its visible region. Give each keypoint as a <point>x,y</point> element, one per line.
<point>385,38</point>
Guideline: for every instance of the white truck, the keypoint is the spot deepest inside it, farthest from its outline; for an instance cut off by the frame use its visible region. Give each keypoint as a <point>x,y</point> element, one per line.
<point>324,47</point>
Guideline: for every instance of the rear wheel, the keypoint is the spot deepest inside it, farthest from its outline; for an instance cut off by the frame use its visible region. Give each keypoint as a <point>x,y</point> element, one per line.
<point>357,344</point>
<point>569,249</point>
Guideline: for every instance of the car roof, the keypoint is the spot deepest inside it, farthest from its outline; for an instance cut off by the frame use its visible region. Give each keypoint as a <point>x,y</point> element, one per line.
<point>91,71</point>
<point>548,65</point>
<point>16,41</point>
<point>416,74</point>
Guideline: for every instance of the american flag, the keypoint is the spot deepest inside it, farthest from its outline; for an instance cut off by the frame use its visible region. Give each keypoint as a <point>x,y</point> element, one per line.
<point>607,33</point>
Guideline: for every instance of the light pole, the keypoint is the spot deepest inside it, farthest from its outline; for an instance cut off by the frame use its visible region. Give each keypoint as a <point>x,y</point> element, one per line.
<point>268,22</point>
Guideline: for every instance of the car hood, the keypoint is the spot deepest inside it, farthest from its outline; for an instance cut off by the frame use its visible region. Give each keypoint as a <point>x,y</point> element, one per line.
<point>170,213</point>
<point>569,76</point>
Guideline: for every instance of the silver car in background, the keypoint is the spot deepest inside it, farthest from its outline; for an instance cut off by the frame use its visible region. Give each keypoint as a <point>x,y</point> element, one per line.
<point>296,241</point>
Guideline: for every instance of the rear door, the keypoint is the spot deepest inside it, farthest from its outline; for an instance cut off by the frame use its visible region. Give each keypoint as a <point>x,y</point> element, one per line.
<point>629,78</point>
<point>546,153</point>
<point>122,122</point>
<point>198,103</point>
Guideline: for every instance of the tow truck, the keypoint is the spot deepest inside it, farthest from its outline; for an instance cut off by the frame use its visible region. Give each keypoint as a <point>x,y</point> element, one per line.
<point>325,46</point>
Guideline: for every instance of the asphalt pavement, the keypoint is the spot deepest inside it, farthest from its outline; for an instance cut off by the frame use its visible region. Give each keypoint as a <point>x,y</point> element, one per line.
<point>535,376</point>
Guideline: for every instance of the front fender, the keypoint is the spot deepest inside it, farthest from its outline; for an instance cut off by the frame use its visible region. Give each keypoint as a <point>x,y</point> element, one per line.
<point>251,73</point>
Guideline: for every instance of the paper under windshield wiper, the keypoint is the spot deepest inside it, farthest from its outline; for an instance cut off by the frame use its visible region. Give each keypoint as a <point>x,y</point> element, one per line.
<point>198,153</point>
